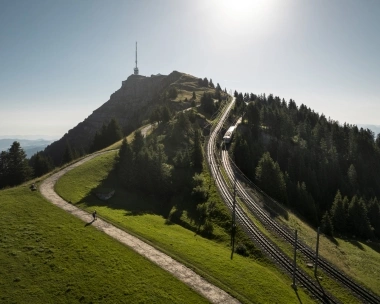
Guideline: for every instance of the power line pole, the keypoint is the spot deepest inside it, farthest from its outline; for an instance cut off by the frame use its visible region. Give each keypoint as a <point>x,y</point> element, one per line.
<point>295,262</point>
<point>316,254</point>
<point>233,228</point>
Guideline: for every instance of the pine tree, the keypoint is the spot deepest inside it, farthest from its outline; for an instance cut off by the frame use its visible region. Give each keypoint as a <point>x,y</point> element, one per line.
<point>138,142</point>
<point>352,178</point>
<point>197,153</point>
<point>3,168</point>
<point>326,225</point>
<point>373,212</point>
<point>270,178</point>
<point>358,222</point>
<point>339,214</point>
<point>207,103</point>
<point>306,204</point>
<point>166,114</point>
<point>40,164</point>
<point>125,165</point>
<point>68,154</point>
<point>19,170</point>
<point>113,133</point>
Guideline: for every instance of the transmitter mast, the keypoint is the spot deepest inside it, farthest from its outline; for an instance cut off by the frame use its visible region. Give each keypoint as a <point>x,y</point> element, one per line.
<point>136,69</point>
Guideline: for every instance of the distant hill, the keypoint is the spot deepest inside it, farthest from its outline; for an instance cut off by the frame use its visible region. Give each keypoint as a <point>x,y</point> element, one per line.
<point>374,128</point>
<point>30,146</point>
<point>131,105</point>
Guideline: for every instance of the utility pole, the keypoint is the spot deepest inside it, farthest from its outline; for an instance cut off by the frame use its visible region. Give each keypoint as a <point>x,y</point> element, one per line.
<point>295,262</point>
<point>233,228</point>
<point>316,254</point>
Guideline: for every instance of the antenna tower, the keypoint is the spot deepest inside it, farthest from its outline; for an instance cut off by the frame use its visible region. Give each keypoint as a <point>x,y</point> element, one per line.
<point>136,69</point>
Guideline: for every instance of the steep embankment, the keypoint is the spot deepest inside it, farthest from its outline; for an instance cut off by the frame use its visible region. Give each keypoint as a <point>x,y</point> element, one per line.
<point>130,106</point>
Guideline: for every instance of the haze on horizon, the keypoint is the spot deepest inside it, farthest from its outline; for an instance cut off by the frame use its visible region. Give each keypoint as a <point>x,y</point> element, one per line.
<point>61,60</point>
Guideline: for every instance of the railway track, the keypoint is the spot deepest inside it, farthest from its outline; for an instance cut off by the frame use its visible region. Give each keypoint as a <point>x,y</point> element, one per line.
<point>250,228</point>
<point>235,176</point>
<point>264,217</point>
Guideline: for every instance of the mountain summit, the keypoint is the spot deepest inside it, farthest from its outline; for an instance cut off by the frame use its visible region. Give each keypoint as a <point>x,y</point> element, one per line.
<point>130,106</point>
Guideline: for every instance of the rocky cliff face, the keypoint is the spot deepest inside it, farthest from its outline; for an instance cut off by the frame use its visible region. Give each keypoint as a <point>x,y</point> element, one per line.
<point>129,105</point>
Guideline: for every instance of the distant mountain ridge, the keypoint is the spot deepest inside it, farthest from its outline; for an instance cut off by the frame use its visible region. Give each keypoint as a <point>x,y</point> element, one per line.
<point>374,128</point>
<point>30,146</point>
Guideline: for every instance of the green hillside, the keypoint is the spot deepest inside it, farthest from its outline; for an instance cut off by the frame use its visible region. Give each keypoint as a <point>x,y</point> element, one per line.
<point>250,280</point>
<point>49,256</point>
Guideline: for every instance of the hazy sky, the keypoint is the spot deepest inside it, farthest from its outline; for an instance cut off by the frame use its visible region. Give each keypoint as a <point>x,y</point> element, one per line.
<point>61,60</point>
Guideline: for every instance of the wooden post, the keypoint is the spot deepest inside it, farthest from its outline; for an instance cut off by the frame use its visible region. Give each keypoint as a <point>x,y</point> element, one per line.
<point>233,228</point>
<point>295,262</point>
<point>316,254</point>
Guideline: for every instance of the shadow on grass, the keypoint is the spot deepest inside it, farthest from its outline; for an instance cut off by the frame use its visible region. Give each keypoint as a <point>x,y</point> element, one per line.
<point>332,239</point>
<point>358,243</point>
<point>374,246</point>
<point>325,297</point>
<point>134,203</point>
<point>298,296</point>
<point>89,223</point>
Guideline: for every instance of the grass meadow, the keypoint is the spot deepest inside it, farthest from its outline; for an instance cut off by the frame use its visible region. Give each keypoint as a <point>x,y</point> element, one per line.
<point>49,256</point>
<point>361,260</point>
<point>251,281</point>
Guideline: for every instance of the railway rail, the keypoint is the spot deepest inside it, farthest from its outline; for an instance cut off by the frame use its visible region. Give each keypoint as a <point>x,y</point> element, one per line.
<point>250,228</point>
<point>236,177</point>
<point>271,224</point>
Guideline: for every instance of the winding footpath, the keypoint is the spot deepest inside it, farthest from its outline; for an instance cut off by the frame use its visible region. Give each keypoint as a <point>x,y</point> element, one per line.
<point>181,272</point>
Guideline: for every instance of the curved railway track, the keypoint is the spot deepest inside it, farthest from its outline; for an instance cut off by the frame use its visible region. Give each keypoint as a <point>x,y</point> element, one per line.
<point>251,229</point>
<point>235,176</point>
<point>271,224</point>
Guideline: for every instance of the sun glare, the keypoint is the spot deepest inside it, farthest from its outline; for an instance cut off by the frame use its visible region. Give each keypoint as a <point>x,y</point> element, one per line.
<point>244,14</point>
<point>244,8</point>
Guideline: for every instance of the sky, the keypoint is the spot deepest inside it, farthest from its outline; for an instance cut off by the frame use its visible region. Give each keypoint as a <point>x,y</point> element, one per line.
<point>61,60</point>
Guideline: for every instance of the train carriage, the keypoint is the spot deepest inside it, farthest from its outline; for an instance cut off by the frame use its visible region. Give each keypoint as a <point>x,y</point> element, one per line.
<point>228,136</point>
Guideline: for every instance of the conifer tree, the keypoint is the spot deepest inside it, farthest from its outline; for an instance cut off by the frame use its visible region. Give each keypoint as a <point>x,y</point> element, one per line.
<point>125,167</point>
<point>339,213</point>
<point>197,153</point>
<point>373,212</point>
<point>18,169</point>
<point>326,225</point>
<point>270,178</point>
<point>3,168</point>
<point>40,164</point>
<point>358,222</point>
<point>68,154</point>
<point>138,142</point>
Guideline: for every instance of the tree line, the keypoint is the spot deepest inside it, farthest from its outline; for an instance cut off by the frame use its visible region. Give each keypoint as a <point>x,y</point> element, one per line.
<point>168,164</point>
<point>304,160</point>
<point>16,169</point>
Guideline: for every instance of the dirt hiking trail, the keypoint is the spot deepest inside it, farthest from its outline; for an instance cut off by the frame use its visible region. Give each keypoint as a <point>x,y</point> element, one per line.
<point>196,282</point>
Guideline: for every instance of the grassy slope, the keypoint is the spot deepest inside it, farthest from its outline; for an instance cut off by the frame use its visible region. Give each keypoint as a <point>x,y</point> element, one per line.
<point>49,256</point>
<point>358,259</point>
<point>187,84</point>
<point>251,281</point>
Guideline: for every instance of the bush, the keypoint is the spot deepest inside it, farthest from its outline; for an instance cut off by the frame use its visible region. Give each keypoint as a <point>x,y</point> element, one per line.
<point>208,228</point>
<point>174,216</point>
<point>241,249</point>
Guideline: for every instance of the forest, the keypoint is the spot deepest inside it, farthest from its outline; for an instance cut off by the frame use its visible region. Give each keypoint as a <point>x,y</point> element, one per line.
<point>326,172</point>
